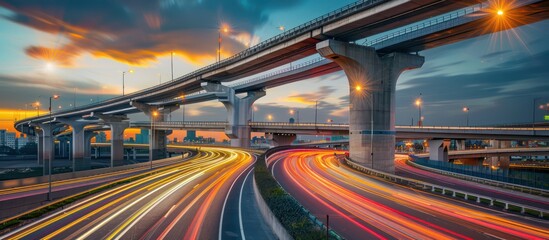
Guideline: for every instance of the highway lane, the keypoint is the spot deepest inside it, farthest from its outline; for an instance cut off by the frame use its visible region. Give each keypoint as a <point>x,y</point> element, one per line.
<point>21,199</point>
<point>364,208</point>
<point>184,201</point>
<point>405,170</point>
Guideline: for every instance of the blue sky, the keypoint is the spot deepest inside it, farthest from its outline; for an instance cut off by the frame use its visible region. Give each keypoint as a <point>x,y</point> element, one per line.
<point>67,46</point>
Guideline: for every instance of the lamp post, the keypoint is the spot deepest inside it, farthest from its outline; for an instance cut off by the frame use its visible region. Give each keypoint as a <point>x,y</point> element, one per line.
<point>183,105</point>
<point>254,109</point>
<point>172,63</point>
<point>153,116</point>
<point>50,158</point>
<point>418,104</point>
<point>316,111</point>
<point>225,29</point>
<point>292,111</point>
<point>534,114</point>
<point>123,74</point>
<point>466,110</point>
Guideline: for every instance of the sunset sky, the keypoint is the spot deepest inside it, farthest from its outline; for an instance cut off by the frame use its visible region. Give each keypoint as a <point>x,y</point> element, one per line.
<point>79,49</point>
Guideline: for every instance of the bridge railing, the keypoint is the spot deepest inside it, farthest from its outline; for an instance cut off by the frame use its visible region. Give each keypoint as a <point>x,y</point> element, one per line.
<point>179,123</point>
<point>298,124</point>
<point>437,21</point>
<point>456,193</point>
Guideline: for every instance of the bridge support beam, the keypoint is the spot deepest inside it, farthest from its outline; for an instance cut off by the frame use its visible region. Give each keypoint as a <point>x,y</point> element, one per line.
<point>281,139</point>
<point>372,82</point>
<point>48,148</point>
<point>500,161</point>
<point>460,145</point>
<point>239,112</point>
<point>158,146</point>
<point>438,150</point>
<point>40,148</point>
<point>118,124</point>
<point>87,148</point>
<point>78,143</point>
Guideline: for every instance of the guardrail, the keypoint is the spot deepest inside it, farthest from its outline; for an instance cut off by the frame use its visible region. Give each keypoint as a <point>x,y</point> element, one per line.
<point>507,205</point>
<point>506,185</point>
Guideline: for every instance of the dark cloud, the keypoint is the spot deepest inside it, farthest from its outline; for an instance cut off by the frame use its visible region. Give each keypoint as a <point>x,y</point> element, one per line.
<point>500,94</point>
<point>39,88</point>
<point>494,54</point>
<point>137,32</point>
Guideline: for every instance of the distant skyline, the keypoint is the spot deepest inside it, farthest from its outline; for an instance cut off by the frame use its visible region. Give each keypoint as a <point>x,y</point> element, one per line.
<point>80,49</point>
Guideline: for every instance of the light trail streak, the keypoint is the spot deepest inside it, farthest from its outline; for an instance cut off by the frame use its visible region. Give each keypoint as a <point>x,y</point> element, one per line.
<point>386,209</point>
<point>156,199</point>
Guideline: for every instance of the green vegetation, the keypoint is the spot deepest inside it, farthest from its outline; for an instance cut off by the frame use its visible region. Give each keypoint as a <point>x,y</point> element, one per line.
<point>297,221</point>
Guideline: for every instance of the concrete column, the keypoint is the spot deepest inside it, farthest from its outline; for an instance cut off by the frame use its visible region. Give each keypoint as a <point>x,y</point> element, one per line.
<point>117,123</point>
<point>438,150</point>
<point>117,142</point>
<point>40,147</point>
<point>86,164</point>
<point>134,154</point>
<point>239,112</point>
<point>48,146</point>
<point>500,144</point>
<point>78,141</point>
<point>372,83</point>
<point>281,139</point>
<point>158,145</point>
<point>460,145</point>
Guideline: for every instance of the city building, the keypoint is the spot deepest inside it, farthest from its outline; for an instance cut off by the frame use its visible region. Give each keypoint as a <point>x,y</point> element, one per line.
<point>191,136</point>
<point>101,137</point>
<point>10,140</point>
<point>142,137</point>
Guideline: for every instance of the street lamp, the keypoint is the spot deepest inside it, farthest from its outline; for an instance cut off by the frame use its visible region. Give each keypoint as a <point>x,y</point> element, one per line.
<point>316,111</point>
<point>153,116</point>
<point>254,109</point>
<point>418,104</point>
<point>50,158</point>
<point>172,63</point>
<point>297,114</point>
<point>466,110</point>
<point>225,29</point>
<point>270,117</point>
<point>358,88</point>
<point>123,74</point>
<point>37,104</point>
<point>183,105</point>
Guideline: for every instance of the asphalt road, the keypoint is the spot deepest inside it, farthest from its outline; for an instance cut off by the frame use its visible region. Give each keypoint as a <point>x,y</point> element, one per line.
<point>364,208</point>
<point>20,199</point>
<point>192,200</point>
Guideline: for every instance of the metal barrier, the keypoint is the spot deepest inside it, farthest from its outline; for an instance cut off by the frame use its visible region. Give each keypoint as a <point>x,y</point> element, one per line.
<point>512,186</point>
<point>507,205</point>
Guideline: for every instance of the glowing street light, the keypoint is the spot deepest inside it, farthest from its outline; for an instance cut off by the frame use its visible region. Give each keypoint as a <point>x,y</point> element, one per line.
<point>500,12</point>
<point>418,104</point>
<point>270,117</point>
<point>123,73</point>
<point>466,110</point>
<point>297,114</point>
<point>153,116</point>
<point>225,29</point>
<point>358,88</point>
<point>50,157</point>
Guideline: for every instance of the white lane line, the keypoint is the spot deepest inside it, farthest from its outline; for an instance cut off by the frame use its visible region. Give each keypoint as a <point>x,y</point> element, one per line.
<point>227,197</point>
<point>240,207</point>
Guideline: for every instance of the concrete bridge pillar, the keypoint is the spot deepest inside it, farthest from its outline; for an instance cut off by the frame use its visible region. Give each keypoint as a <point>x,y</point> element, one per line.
<point>118,124</point>
<point>47,146</point>
<point>281,139</point>
<point>239,112</point>
<point>86,164</point>
<point>438,150</point>
<point>460,145</point>
<point>500,144</point>
<point>372,83</point>
<point>158,142</point>
<point>40,147</point>
<point>78,142</point>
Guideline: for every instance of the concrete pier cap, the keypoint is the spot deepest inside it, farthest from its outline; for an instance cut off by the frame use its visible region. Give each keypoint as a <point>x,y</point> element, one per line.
<point>372,84</point>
